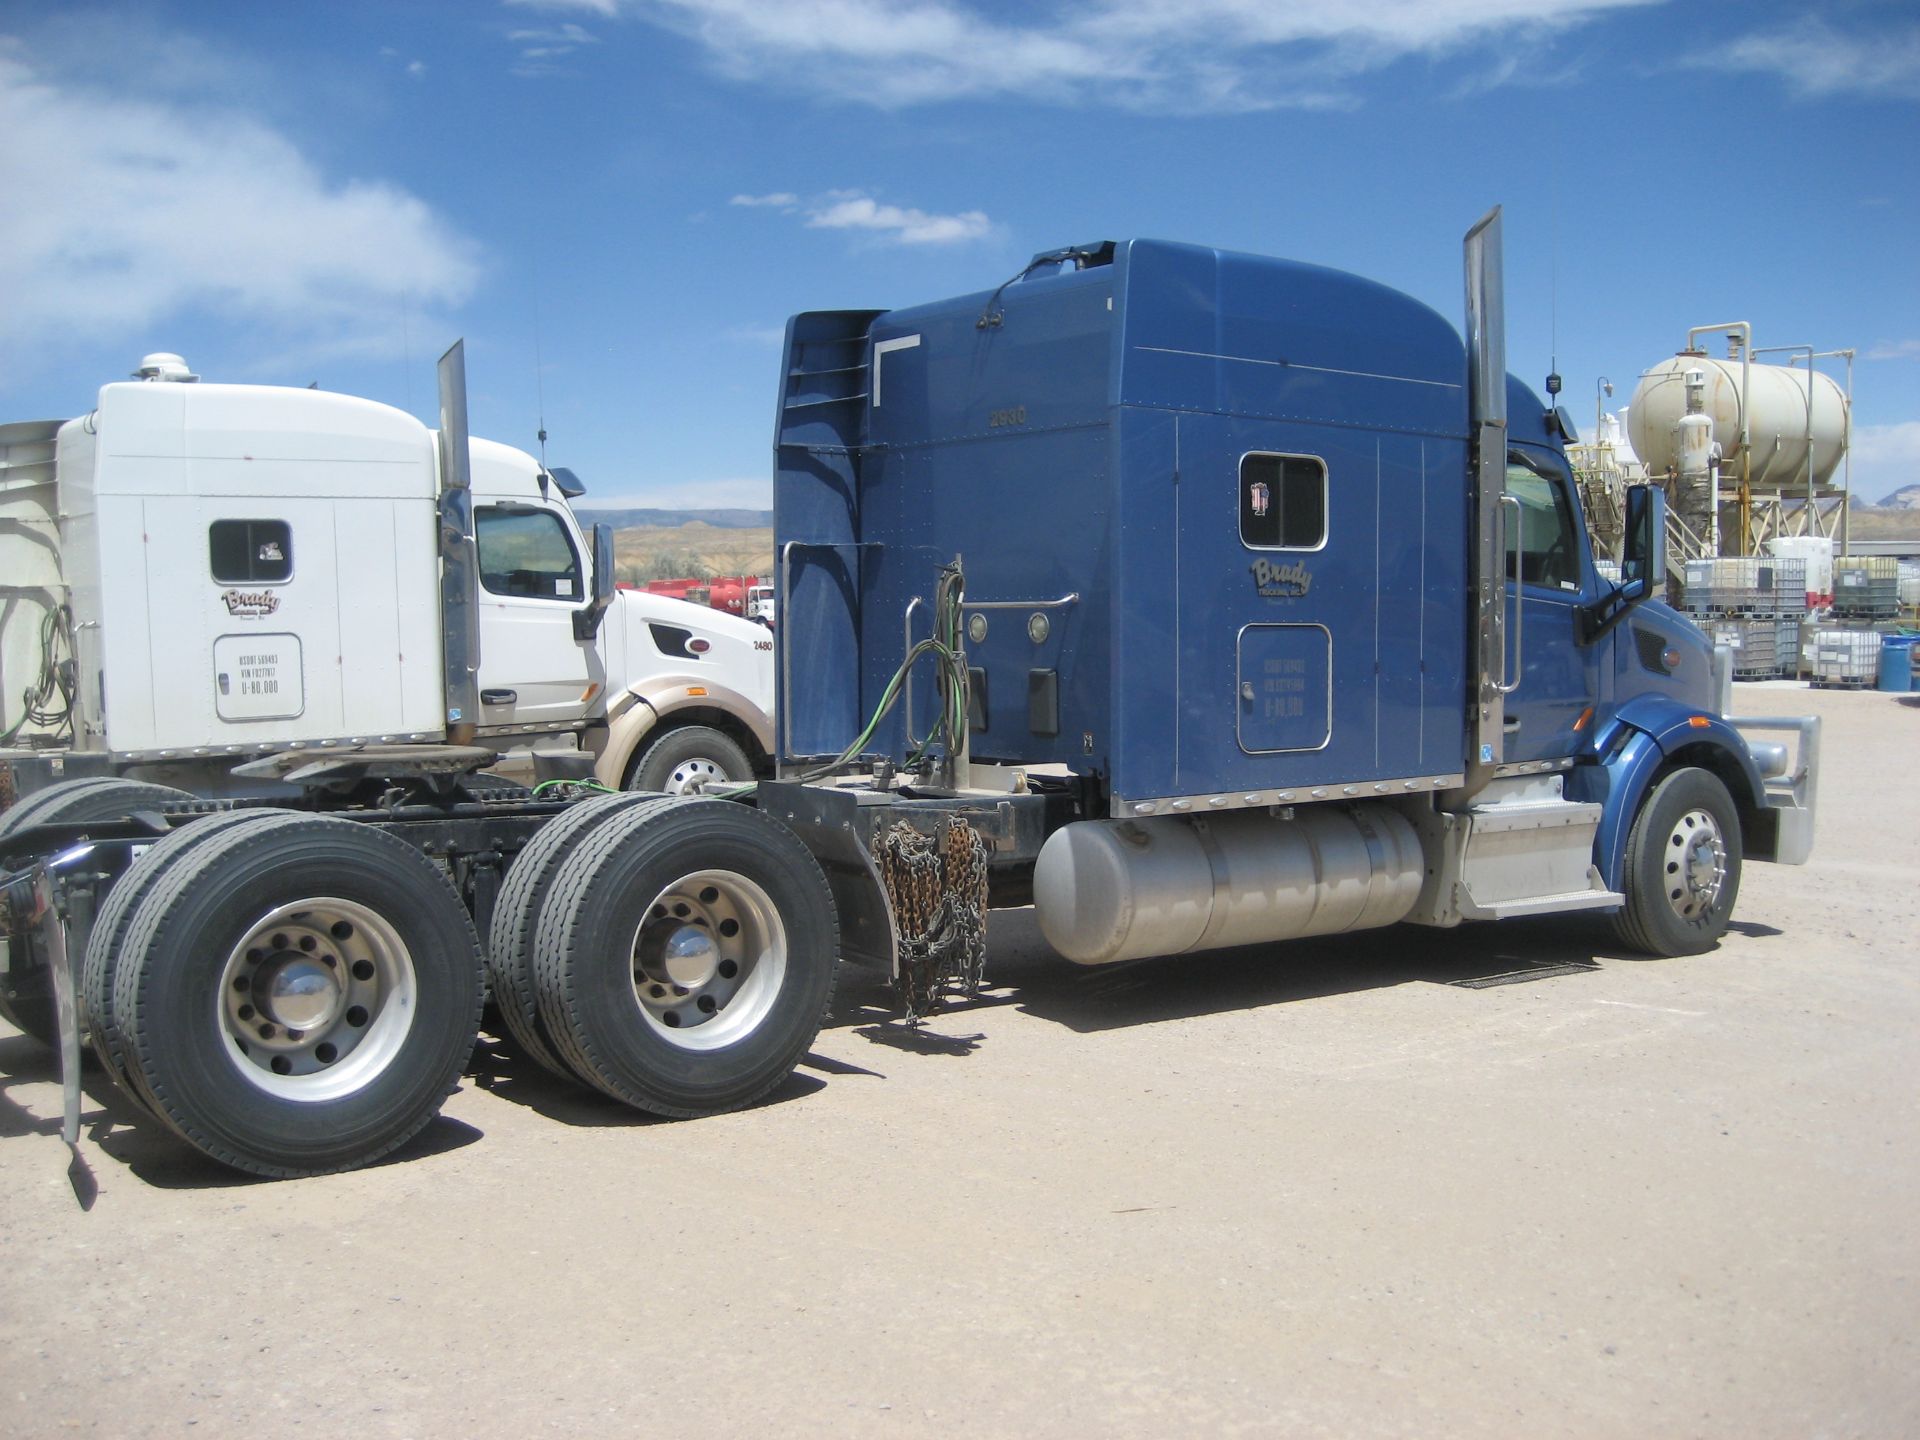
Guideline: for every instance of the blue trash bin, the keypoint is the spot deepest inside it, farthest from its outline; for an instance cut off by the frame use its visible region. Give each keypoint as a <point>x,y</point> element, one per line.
<point>1896,663</point>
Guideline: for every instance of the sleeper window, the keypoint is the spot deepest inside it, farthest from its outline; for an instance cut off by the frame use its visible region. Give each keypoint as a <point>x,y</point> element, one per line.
<point>526,553</point>
<point>1283,501</point>
<point>250,552</point>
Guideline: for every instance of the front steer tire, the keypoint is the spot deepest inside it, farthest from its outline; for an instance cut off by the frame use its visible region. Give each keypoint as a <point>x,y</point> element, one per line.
<point>1682,867</point>
<point>687,759</point>
<point>297,998</point>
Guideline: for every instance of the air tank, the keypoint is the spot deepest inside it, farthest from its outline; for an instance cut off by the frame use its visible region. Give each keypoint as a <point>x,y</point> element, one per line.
<point>1111,890</point>
<point>1777,400</point>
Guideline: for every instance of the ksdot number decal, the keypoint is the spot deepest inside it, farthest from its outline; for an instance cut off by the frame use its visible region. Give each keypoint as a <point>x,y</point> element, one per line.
<point>258,674</point>
<point>257,677</point>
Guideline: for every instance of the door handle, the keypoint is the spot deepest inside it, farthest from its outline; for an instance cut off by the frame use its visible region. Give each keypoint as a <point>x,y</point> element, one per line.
<point>1511,683</point>
<point>499,697</point>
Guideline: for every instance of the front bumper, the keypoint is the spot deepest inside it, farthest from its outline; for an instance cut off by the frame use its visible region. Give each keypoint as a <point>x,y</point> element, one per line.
<point>1792,776</point>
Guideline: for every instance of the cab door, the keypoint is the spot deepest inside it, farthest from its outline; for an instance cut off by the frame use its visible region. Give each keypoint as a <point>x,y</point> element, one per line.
<point>1550,580</point>
<point>532,579</point>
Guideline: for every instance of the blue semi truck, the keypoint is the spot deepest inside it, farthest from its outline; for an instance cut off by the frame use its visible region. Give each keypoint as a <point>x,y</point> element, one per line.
<point>1196,599</point>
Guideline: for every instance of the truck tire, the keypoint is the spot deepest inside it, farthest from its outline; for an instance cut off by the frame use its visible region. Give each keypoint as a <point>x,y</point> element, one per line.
<point>686,956</point>
<point>116,912</point>
<point>26,993</point>
<point>516,913</point>
<point>1682,867</point>
<point>298,998</point>
<point>683,761</point>
<point>100,797</point>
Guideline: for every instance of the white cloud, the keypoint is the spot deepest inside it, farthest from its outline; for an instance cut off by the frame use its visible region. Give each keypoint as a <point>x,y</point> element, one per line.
<point>567,36</point>
<point>143,209</point>
<point>857,210</point>
<point>1193,56</point>
<point>850,210</point>
<point>1885,458</point>
<point>539,49</point>
<point>1893,350</point>
<point>606,9</point>
<point>1896,444</point>
<point>1815,59</point>
<point>414,68</point>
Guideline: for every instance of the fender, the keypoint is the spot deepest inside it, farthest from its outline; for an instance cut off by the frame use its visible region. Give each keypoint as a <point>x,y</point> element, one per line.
<point>633,715</point>
<point>1639,739</point>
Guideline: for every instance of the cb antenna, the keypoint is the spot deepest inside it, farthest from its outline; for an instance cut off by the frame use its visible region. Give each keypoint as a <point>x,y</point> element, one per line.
<point>1553,295</point>
<point>539,372</point>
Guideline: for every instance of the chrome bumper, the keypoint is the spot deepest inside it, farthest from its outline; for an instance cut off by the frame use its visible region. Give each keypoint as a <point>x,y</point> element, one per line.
<point>1792,781</point>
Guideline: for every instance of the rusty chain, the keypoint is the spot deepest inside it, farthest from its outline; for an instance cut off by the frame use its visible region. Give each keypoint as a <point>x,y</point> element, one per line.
<point>938,890</point>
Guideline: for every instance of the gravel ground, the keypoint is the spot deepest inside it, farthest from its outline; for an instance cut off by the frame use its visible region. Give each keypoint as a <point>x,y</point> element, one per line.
<point>1502,1181</point>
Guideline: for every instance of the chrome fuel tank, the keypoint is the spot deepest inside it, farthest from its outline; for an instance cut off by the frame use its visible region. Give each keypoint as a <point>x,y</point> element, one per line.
<point>1122,889</point>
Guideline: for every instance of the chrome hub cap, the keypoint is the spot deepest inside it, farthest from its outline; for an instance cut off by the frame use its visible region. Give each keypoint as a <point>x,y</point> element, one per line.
<point>708,959</point>
<point>1696,865</point>
<point>692,777</point>
<point>316,999</point>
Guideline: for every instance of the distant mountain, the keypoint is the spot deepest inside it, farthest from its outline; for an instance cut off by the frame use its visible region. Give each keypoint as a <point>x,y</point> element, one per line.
<point>1907,497</point>
<point>672,519</point>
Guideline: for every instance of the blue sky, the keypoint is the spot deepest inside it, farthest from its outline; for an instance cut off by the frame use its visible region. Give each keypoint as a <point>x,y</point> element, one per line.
<point>618,202</point>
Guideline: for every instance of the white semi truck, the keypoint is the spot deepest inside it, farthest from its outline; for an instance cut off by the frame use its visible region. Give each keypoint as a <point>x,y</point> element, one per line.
<point>193,575</point>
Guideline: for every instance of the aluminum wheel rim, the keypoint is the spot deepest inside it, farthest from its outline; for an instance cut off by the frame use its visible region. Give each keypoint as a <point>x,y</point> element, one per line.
<point>1695,865</point>
<point>693,775</point>
<point>316,999</point>
<point>708,959</point>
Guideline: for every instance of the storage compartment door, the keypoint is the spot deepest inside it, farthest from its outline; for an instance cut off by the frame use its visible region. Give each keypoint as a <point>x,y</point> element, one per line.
<point>1286,688</point>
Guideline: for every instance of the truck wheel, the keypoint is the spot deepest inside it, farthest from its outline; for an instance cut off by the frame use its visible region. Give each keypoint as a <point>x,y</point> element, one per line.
<point>686,760</point>
<point>686,956</point>
<point>516,913</point>
<point>116,912</point>
<point>1682,869</point>
<point>26,992</point>
<point>298,998</point>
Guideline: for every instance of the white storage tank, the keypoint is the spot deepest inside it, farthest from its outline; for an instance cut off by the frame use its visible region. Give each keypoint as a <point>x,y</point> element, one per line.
<point>1817,551</point>
<point>1777,425</point>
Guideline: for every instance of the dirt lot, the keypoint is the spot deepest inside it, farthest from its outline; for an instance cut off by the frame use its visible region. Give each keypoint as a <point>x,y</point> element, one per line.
<point>1497,1182</point>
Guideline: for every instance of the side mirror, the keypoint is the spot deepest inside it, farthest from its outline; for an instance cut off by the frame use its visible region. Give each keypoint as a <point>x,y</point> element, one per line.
<point>1644,556</point>
<point>586,620</point>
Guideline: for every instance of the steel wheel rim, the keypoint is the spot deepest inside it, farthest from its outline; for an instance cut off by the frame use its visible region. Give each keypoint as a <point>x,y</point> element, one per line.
<point>692,775</point>
<point>316,999</point>
<point>1694,865</point>
<point>708,960</point>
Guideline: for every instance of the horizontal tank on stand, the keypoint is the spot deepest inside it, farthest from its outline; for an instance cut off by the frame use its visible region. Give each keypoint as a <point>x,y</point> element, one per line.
<point>1778,420</point>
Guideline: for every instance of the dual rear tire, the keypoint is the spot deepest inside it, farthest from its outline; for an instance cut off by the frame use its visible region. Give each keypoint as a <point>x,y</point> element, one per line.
<point>677,954</point>
<point>26,994</point>
<point>295,994</point>
<point>292,994</point>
